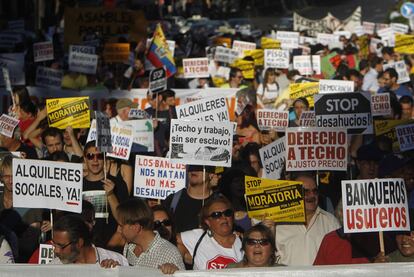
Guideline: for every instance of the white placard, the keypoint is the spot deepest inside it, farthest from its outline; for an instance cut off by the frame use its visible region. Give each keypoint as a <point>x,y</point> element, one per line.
<point>380,104</point>
<point>368,27</point>
<point>273,157</point>
<point>241,46</point>
<point>276,58</point>
<point>48,77</point>
<point>43,51</point>
<point>83,63</point>
<point>304,66</point>
<point>225,55</point>
<point>272,119</point>
<point>405,135</point>
<point>82,49</point>
<point>327,39</point>
<point>335,86</point>
<point>47,185</point>
<point>208,109</point>
<point>196,68</point>
<point>401,68</point>
<point>399,28</point>
<point>7,125</point>
<point>142,132</point>
<point>288,40</point>
<point>46,253</point>
<point>307,119</point>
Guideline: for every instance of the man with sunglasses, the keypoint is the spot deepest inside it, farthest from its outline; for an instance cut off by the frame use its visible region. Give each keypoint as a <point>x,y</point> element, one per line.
<point>298,244</point>
<point>235,79</point>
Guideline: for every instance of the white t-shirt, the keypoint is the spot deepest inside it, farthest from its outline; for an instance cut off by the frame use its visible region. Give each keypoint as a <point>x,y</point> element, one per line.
<point>210,254</point>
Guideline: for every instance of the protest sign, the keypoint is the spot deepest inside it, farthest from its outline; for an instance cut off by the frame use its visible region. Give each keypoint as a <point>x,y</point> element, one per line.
<point>196,68</point>
<point>387,128</point>
<point>276,58</point>
<point>307,119</point>
<point>83,63</point>
<point>400,28</point>
<point>369,27</point>
<point>16,25</point>
<point>138,114</point>
<point>269,43</point>
<point>268,119</point>
<point>103,132</point>
<point>142,133</point>
<point>14,62</point>
<point>46,253</point>
<point>257,55</point>
<point>201,142</point>
<point>316,149</point>
<point>157,178</point>
<point>98,199</point>
<point>335,86</point>
<point>404,44</point>
<point>225,55</point>
<point>375,205</point>
<point>64,112</point>
<point>43,51</point>
<point>288,40</point>
<point>7,125</point>
<point>387,36</point>
<point>306,90</point>
<point>401,69</point>
<point>47,185</point>
<point>241,46</point>
<point>158,80</point>
<point>273,157</point>
<point>82,49</point>
<point>280,201</point>
<point>48,77</point>
<point>327,39</point>
<point>9,40</point>
<point>208,109</point>
<point>6,78</point>
<point>351,111</point>
<point>380,104</point>
<point>306,66</point>
<point>116,52</point>
<point>247,68</point>
<point>405,135</point>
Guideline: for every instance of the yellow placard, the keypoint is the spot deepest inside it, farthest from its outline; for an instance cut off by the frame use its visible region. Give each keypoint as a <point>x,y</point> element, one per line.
<point>387,128</point>
<point>64,112</point>
<point>307,90</point>
<point>278,200</point>
<point>269,43</point>
<point>247,68</point>
<point>404,44</point>
<point>257,55</point>
<point>116,52</point>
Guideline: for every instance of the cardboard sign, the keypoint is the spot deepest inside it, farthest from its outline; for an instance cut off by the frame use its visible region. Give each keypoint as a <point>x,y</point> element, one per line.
<point>241,46</point>
<point>316,149</point>
<point>201,142</point>
<point>380,104</point>
<point>280,201</point>
<point>269,43</point>
<point>388,128</point>
<point>43,51</point>
<point>6,78</point>
<point>351,111</point>
<point>83,63</point>
<point>47,185</point>
<point>335,86</point>
<point>276,58</point>
<point>157,178</point>
<point>7,125</point>
<point>375,205</point>
<point>116,52</point>
<point>196,68</point>
<point>46,253</point>
<point>14,62</point>
<point>103,132</point>
<point>48,77</point>
<point>82,49</point>
<point>225,55</point>
<point>142,133</point>
<point>306,90</point>
<point>307,119</point>
<point>273,157</point>
<point>64,112</point>
<point>158,80</point>
<point>272,119</point>
<point>405,135</point>
<point>401,69</point>
<point>304,65</point>
<point>207,109</point>
<point>404,44</point>
<point>288,40</point>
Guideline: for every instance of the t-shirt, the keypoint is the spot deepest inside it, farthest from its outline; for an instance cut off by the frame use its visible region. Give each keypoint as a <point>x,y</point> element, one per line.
<point>102,254</point>
<point>210,254</point>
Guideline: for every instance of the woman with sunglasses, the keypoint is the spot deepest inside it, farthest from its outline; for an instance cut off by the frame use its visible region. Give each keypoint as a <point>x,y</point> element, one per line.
<point>259,248</point>
<point>163,224</point>
<point>215,245</point>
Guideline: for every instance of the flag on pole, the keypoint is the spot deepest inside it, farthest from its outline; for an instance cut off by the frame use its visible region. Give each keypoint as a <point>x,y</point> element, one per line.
<point>159,54</point>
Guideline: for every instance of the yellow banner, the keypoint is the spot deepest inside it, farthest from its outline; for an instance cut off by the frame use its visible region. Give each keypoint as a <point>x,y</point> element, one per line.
<point>257,55</point>
<point>116,52</point>
<point>307,90</point>
<point>387,128</point>
<point>64,112</point>
<point>247,68</point>
<point>404,44</point>
<point>278,200</point>
<point>269,43</point>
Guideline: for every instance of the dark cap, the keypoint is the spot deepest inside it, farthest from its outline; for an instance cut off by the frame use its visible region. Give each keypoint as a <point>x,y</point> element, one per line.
<point>391,163</point>
<point>369,152</point>
<point>194,168</point>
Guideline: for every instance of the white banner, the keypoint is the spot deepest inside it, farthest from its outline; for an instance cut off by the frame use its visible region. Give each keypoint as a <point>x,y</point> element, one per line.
<point>48,77</point>
<point>209,109</point>
<point>7,125</point>
<point>47,185</point>
<point>201,142</point>
<point>157,178</point>
<point>335,86</point>
<point>273,157</point>
<point>268,119</point>
<point>405,135</point>
<point>83,63</point>
<point>196,68</point>
<point>276,58</point>
<point>43,51</point>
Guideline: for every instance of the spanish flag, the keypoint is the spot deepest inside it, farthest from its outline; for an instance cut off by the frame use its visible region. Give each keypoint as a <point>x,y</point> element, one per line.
<point>159,54</point>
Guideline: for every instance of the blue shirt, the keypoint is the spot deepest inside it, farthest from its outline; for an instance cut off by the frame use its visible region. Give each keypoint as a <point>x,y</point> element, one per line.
<point>401,91</point>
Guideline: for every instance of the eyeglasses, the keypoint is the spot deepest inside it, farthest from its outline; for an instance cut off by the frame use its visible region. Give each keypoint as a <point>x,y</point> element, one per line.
<point>62,246</point>
<point>226,213</point>
<point>91,156</point>
<point>165,222</point>
<point>262,242</point>
<point>308,191</point>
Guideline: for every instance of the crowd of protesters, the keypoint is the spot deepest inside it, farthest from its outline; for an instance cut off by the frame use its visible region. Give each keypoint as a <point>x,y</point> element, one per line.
<point>206,224</point>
